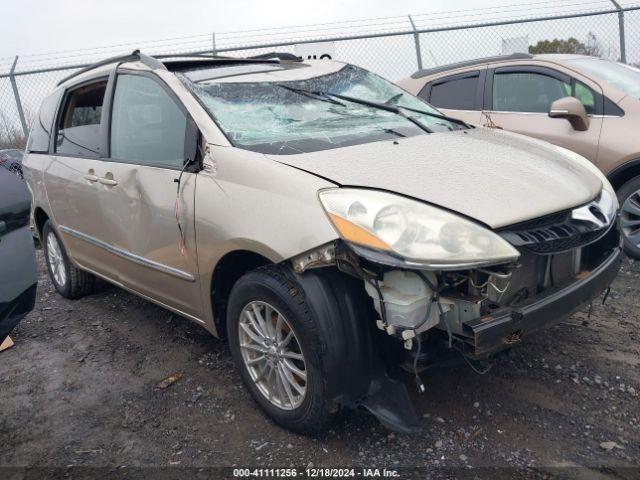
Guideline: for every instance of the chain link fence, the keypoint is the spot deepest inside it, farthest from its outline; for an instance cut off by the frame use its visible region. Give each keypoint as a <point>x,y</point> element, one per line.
<point>393,47</point>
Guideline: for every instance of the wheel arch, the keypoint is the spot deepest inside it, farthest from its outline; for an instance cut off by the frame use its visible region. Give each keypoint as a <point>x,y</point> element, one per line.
<point>227,271</point>
<point>623,173</point>
<point>40,216</point>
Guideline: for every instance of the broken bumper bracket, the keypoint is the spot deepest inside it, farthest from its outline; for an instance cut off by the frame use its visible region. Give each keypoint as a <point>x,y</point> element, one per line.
<point>505,327</point>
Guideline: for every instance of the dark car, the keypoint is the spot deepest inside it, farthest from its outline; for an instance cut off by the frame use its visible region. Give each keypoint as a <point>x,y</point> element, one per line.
<point>18,271</point>
<point>11,159</point>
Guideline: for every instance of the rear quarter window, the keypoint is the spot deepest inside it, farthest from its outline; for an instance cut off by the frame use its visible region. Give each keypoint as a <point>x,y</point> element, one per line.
<point>78,132</point>
<point>43,124</point>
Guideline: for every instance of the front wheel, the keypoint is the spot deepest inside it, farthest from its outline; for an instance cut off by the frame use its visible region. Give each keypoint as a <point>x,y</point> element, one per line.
<point>629,198</point>
<point>276,347</point>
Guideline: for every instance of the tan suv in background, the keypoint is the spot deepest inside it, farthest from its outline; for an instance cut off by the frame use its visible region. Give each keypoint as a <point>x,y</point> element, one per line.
<point>586,104</point>
<point>330,225</point>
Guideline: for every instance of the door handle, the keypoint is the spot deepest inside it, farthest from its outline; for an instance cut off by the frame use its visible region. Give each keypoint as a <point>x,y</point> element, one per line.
<point>91,178</point>
<point>107,181</point>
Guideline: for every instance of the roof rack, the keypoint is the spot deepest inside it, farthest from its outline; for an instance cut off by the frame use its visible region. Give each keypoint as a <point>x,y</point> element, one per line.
<point>289,57</point>
<point>470,63</point>
<point>130,57</point>
<point>203,58</point>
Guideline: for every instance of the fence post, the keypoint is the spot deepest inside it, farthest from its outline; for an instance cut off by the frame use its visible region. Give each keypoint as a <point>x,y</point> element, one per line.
<point>16,95</point>
<point>213,43</point>
<point>623,49</point>
<point>416,39</point>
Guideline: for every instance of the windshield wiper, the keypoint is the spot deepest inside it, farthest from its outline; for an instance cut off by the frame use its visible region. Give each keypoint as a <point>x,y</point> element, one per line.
<point>315,95</point>
<point>397,97</point>
<point>379,106</point>
<point>394,132</point>
<point>394,99</point>
<point>398,110</point>
<point>327,97</point>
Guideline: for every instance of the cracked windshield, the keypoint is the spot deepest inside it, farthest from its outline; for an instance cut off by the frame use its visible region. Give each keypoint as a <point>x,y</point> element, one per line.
<point>289,117</point>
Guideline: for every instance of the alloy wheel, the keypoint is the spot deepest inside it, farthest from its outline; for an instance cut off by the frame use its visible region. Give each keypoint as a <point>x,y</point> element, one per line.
<point>56,260</point>
<point>630,218</point>
<point>273,355</point>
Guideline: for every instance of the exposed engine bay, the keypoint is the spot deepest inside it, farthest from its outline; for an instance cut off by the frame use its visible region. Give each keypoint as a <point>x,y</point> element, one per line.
<point>413,303</point>
<point>421,315</point>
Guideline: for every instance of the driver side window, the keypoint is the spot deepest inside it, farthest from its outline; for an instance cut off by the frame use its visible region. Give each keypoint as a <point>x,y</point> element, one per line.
<point>147,126</point>
<point>532,92</point>
<point>527,92</point>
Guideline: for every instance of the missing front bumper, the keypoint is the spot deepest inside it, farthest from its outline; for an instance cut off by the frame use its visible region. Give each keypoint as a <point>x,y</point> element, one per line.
<point>505,327</point>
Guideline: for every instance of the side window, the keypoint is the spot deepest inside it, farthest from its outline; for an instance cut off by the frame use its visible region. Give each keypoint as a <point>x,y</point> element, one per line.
<point>42,124</point>
<point>586,97</point>
<point>456,93</point>
<point>78,131</point>
<point>527,91</point>
<point>147,126</point>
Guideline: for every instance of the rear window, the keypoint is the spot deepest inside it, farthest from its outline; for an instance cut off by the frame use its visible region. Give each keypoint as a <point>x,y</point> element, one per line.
<point>456,94</point>
<point>43,123</point>
<point>78,130</point>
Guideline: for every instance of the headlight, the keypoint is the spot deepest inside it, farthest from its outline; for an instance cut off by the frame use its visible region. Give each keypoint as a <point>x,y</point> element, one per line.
<point>417,232</point>
<point>593,169</point>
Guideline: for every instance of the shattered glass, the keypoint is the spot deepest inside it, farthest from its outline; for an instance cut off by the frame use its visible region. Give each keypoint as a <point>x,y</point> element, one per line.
<point>267,117</point>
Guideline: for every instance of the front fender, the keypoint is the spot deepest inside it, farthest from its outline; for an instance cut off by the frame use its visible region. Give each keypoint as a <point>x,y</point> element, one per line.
<point>355,373</point>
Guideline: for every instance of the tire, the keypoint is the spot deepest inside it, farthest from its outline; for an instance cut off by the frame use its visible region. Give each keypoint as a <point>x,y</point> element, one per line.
<point>70,282</point>
<point>269,286</point>
<point>629,199</point>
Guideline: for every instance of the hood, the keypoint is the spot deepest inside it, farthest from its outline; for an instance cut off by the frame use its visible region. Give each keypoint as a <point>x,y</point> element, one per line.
<point>495,177</point>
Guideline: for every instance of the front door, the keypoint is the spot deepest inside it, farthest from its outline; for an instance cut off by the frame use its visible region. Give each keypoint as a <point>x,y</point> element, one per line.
<point>518,99</point>
<point>148,218</point>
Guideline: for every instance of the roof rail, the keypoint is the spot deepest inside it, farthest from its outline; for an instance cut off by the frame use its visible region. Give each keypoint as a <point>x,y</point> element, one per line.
<point>155,62</point>
<point>135,55</point>
<point>290,57</point>
<point>470,63</point>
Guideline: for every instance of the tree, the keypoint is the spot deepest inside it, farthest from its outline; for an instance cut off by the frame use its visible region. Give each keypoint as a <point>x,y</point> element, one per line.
<point>571,45</point>
<point>11,136</point>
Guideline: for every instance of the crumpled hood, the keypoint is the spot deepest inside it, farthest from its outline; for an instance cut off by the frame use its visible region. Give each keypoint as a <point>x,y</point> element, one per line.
<point>495,177</point>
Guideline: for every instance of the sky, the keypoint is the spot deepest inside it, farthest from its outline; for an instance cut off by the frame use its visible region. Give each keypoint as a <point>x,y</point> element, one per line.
<point>42,26</point>
<point>63,33</point>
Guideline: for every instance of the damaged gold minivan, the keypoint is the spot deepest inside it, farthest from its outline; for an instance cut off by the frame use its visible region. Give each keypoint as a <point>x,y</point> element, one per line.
<point>330,225</point>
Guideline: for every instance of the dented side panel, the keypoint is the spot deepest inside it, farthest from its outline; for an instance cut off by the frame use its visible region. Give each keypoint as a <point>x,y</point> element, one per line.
<point>136,241</point>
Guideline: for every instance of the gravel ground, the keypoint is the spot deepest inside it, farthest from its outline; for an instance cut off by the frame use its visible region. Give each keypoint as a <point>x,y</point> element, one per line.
<point>78,390</point>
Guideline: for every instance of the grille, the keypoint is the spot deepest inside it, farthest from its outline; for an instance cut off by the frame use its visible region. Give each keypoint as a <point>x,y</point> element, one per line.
<point>553,234</point>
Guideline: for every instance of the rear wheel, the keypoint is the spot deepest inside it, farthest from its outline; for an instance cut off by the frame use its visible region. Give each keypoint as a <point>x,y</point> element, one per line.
<point>629,198</point>
<point>71,282</point>
<point>276,347</point>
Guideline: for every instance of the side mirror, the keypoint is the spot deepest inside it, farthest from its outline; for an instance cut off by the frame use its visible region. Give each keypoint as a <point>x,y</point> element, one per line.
<point>571,109</point>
